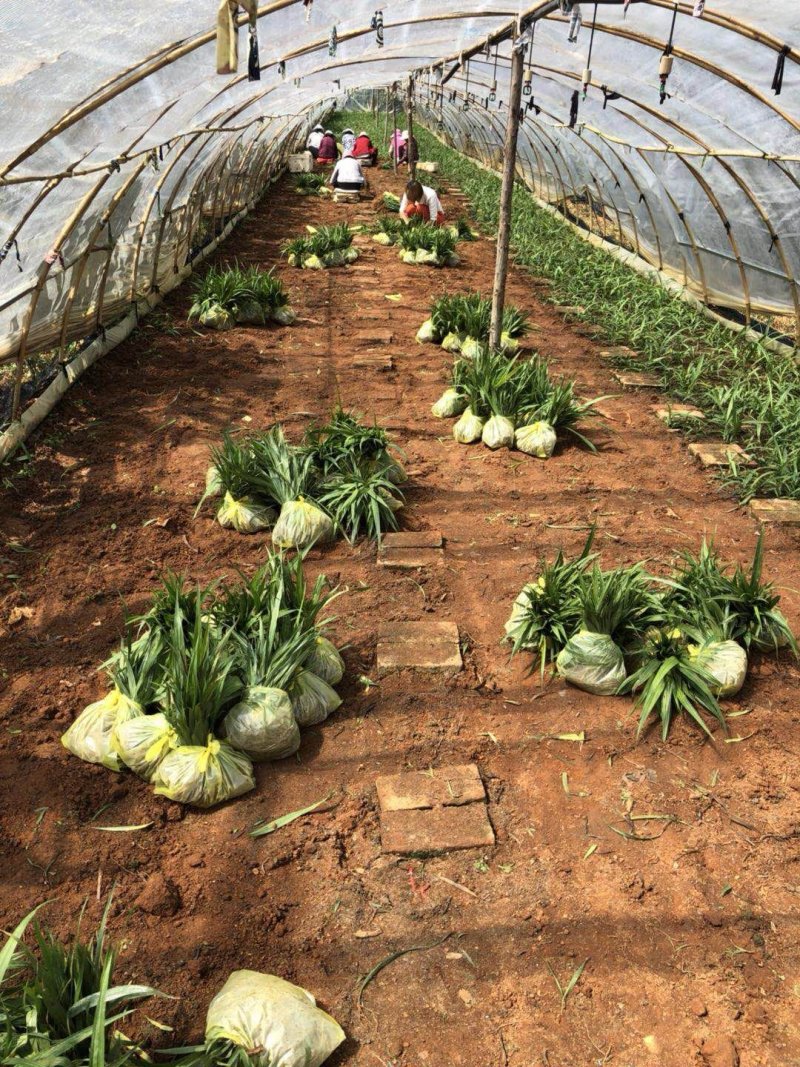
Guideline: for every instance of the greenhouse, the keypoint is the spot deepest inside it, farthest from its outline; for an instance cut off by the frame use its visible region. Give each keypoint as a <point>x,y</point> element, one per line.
<point>400,531</point>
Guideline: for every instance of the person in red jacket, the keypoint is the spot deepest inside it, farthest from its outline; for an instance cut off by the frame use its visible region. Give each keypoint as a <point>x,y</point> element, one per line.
<point>328,152</point>
<point>365,150</point>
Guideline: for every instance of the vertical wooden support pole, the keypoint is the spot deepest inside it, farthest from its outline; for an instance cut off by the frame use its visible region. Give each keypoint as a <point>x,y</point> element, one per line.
<point>410,153</point>
<point>394,127</point>
<point>506,194</point>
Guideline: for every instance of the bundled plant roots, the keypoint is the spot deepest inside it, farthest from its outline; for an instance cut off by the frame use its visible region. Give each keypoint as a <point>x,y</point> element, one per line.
<point>227,296</point>
<point>211,679</point>
<point>324,246</point>
<point>59,1005</point>
<point>680,643</point>
<point>310,184</point>
<point>391,202</point>
<point>512,402</point>
<point>341,478</point>
<point>460,323</point>
<point>427,243</point>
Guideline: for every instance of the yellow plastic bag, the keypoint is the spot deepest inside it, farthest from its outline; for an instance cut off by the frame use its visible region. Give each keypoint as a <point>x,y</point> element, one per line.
<point>262,724</point>
<point>278,1023</point>
<point>244,516</point>
<point>301,525</point>
<point>143,742</point>
<point>204,775</point>
<point>89,737</point>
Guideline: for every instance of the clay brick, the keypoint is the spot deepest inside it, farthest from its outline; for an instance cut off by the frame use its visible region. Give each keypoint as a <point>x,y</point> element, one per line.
<point>428,645</point>
<point>618,352</point>
<point>639,380</point>
<point>436,830</point>
<point>785,511</point>
<point>570,310</point>
<point>684,411</point>
<point>443,787</point>
<point>716,453</point>
<point>374,337</point>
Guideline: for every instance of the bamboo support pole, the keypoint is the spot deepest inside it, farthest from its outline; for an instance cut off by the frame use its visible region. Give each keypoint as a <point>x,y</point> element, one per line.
<point>411,153</point>
<point>507,193</point>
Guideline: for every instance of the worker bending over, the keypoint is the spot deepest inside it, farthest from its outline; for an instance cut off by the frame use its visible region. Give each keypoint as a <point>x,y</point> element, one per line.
<point>421,202</point>
<point>347,174</point>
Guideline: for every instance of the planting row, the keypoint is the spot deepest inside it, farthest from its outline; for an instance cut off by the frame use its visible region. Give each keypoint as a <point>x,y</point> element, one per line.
<point>747,393</point>
<point>678,643</point>
<point>342,478</point>
<point>60,1007</point>
<point>210,679</point>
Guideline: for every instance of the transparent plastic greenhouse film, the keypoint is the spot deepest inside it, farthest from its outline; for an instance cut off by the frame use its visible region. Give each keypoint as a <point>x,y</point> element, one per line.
<point>726,662</point>
<point>326,661</point>
<point>143,742</point>
<point>204,775</point>
<point>313,699</point>
<point>89,737</point>
<point>301,525</point>
<point>262,724</point>
<point>278,1024</point>
<point>244,516</point>
<point>592,662</point>
<point>538,439</point>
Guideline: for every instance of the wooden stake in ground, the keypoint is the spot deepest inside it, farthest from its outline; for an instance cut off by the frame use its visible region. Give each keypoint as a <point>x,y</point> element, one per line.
<point>393,141</point>
<point>507,192</point>
<point>411,154</point>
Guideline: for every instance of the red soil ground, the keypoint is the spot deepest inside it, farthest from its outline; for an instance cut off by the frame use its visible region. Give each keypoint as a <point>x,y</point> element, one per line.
<point>691,939</point>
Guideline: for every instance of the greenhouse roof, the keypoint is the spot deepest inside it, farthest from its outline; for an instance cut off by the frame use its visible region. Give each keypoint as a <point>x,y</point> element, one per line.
<point>119,134</point>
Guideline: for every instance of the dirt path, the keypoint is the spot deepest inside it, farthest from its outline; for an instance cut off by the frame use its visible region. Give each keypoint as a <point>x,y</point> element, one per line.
<point>690,936</point>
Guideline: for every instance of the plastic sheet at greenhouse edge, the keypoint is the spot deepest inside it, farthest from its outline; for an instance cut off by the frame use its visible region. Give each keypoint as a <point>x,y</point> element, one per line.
<point>130,151</point>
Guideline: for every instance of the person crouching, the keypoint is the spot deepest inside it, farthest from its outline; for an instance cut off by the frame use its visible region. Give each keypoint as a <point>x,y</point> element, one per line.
<point>348,175</point>
<point>421,202</point>
<point>364,150</point>
<point>328,152</point>
<point>315,140</point>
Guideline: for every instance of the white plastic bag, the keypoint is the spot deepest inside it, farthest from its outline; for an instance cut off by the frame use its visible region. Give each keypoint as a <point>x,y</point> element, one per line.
<point>213,484</point>
<point>382,238</point>
<point>726,662</point>
<point>89,737</point>
<point>450,404</point>
<point>217,318</point>
<point>262,724</point>
<point>509,343</point>
<point>537,439</point>
<point>452,342</point>
<point>279,1024</point>
<point>468,429</point>
<point>300,525</point>
<point>425,333</point>
<point>326,661</point>
<point>284,316</point>
<point>470,347</point>
<point>204,775</point>
<point>592,662</point>
<point>244,516</point>
<point>519,609</point>
<point>313,699</point>
<point>498,432</point>
<point>143,742</point>
<point>313,263</point>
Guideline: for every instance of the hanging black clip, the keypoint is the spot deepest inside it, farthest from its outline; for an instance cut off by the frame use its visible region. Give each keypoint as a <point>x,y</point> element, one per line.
<point>777,77</point>
<point>377,26</point>
<point>607,95</point>
<point>253,65</point>
<point>573,109</point>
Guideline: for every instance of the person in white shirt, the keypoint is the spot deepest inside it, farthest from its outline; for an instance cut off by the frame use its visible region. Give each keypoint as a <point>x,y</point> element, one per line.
<point>314,139</point>
<point>347,174</point>
<point>348,140</point>
<point>421,202</point>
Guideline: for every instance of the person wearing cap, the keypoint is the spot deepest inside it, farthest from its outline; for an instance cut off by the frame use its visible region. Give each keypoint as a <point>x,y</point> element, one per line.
<point>421,202</point>
<point>397,145</point>
<point>348,140</point>
<point>347,174</point>
<point>328,152</point>
<point>364,150</point>
<point>314,139</point>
